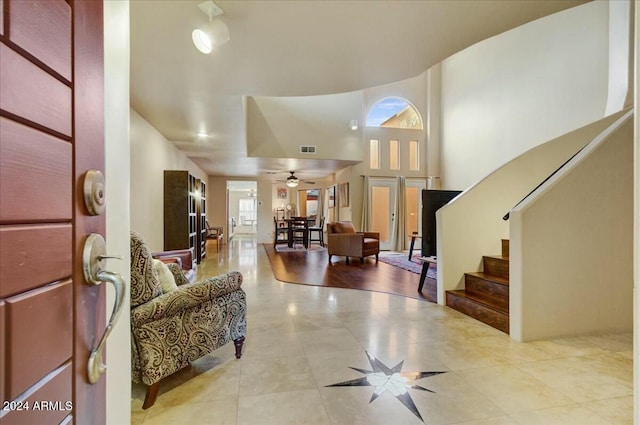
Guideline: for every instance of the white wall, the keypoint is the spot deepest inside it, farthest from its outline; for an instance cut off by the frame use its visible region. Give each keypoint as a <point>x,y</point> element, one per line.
<point>571,270</point>
<point>116,82</point>
<point>277,126</point>
<point>413,90</point>
<point>636,227</point>
<point>507,94</point>
<point>217,204</point>
<point>433,123</point>
<point>471,225</point>
<point>344,176</point>
<point>151,154</point>
<point>620,56</point>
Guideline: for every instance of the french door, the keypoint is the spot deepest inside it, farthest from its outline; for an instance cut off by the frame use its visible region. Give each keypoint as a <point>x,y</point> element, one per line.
<point>51,135</point>
<point>382,199</point>
<point>382,204</point>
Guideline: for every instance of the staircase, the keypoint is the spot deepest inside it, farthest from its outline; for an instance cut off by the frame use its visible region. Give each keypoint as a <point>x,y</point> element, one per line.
<point>486,294</point>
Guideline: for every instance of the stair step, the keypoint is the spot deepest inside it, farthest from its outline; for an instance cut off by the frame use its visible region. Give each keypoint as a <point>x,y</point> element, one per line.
<point>489,287</point>
<point>505,247</point>
<point>496,265</point>
<point>490,277</point>
<point>480,308</point>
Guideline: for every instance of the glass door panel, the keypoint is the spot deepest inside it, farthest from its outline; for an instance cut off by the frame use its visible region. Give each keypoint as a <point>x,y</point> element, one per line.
<point>383,198</point>
<point>412,209</point>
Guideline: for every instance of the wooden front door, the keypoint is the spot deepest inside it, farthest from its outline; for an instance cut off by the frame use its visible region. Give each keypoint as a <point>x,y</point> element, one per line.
<point>51,133</point>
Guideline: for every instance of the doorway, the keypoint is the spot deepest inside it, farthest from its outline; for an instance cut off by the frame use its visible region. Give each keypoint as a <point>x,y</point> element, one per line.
<point>382,196</point>
<point>309,203</point>
<point>242,209</point>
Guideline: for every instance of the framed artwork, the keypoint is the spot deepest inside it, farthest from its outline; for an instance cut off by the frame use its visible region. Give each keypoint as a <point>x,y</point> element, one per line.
<point>282,193</point>
<point>343,194</point>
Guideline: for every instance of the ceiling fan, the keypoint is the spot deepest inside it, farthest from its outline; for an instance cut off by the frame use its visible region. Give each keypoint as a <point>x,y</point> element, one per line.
<point>293,181</point>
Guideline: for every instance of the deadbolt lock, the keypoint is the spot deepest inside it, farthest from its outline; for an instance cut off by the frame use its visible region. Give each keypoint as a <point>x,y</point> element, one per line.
<point>94,192</point>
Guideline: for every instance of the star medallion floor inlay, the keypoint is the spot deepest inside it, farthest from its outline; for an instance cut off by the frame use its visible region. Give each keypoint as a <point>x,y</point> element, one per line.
<point>388,379</point>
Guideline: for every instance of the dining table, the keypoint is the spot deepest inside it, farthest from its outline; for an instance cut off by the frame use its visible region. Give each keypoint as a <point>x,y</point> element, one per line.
<point>299,225</point>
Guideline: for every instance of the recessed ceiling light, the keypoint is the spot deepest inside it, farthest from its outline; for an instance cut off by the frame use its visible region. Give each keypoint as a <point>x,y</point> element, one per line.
<point>202,134</point>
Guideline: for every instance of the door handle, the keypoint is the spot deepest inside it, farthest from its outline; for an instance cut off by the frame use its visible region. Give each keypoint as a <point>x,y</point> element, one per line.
<point>93,260</point>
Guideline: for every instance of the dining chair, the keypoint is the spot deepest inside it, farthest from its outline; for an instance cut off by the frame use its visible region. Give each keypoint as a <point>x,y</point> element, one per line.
<point>214,233</point>
<point>319,231</point>
<point>278,231</point>
<point>299,231</point>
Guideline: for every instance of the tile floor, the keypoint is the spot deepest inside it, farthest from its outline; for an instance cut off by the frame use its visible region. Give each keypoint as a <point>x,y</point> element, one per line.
<point>303,339</point>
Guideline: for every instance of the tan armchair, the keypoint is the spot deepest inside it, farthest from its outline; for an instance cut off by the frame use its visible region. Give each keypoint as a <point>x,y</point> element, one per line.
<point>172,329</point>
<point>342,239</point>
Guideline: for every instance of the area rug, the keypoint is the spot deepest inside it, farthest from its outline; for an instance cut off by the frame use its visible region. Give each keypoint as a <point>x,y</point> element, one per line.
<point>415,265</point>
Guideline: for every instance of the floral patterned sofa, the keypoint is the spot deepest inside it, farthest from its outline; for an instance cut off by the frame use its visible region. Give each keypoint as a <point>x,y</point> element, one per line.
<point>170,330</point>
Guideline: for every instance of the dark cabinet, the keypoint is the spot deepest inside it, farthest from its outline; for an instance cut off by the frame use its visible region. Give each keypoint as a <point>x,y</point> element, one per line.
<point>184,213</point>
<point>201,214</point>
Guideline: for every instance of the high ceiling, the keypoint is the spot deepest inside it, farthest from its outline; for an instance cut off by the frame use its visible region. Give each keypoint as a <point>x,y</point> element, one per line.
<point>292,48</point>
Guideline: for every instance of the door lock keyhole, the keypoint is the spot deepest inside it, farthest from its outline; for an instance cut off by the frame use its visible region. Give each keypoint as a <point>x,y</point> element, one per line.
<point>94,193</point>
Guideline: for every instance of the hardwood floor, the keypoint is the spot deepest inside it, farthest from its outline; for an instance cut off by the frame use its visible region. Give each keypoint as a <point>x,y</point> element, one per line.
<point>313,268</point>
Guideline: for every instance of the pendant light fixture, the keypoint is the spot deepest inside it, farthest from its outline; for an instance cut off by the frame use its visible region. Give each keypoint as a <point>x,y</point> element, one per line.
<point>292,180</point>
<point>212,34</point>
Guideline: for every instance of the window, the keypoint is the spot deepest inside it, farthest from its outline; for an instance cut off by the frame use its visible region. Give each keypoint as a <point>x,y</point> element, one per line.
<point>414,155</point>
<point>374,154</point>
<point>394,112</point>
<point>247,211</point>
<point>394,155</point>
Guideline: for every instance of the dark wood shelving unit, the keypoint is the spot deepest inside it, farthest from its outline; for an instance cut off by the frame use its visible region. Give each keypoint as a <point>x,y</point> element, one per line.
<point>201,214</point>
<point>181,205</point>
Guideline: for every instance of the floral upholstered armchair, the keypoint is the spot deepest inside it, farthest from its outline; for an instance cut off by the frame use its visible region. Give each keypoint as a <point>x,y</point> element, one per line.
<point>171,328</point>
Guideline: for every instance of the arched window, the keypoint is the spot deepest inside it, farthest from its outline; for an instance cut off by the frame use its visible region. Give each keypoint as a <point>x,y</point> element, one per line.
<point>394,112</point>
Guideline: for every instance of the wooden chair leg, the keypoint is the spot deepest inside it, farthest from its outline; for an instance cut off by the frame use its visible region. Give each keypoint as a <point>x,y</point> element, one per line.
<point>238,343</point>
<point>423,275</point>
<point>152,393</point>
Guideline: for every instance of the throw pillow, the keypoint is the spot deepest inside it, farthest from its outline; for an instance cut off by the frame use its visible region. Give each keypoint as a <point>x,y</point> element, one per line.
<point>167,282</point>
